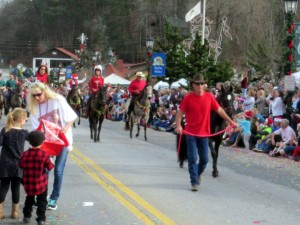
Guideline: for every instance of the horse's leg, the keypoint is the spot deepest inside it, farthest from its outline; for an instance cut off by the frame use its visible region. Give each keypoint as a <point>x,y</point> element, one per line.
<point>74,124</point>
<point>182,149</point>
<point>95,129</point>
<point>99,127</point>
<point>91,127</point>
<point>138,128</point>
<point>214,154</point>
<point>79,118</point>
<point>130,125</point>
<point>145,131</point>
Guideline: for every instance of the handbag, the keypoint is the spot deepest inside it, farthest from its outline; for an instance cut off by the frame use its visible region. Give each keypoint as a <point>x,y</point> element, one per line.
<point>55,140</point>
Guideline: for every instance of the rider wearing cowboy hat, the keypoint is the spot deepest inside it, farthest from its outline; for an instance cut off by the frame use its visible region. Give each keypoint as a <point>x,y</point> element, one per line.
<point>135,88</point>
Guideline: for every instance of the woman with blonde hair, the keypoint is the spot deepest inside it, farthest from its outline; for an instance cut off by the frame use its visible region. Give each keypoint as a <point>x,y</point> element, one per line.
<point>260,101</point>
<point>12,140</point>
<point>43,103</point>
<point>250,100</point>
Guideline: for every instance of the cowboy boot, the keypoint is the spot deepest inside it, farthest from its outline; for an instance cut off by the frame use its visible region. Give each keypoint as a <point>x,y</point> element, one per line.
<point>15,211</point>
<point>1,211</point>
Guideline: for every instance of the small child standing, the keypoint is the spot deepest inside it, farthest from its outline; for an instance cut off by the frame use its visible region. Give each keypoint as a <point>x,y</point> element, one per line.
<point>34,162</point>
<point>12,140</point>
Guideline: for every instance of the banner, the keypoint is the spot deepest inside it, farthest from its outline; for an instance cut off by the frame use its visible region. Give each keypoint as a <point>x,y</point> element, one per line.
<point>158,64</point>
<point>69,72</point>
<point>297,46</point>
<point>193,12</point>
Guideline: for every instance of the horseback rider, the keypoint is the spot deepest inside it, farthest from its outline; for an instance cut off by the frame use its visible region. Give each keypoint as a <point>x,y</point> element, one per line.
<point>96,81</point>
<point>135,88</point>
<point>42,74</point>
<point>74,81</point>
<point>11,87</point>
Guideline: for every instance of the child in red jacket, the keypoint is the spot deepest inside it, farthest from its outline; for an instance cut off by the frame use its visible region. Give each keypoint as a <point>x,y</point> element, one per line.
<point>34,163</point>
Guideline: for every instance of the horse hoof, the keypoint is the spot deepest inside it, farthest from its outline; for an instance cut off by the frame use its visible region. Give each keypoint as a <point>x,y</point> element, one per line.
<point>146,139</point>
<point>215,174</point>
<point>181,164</point>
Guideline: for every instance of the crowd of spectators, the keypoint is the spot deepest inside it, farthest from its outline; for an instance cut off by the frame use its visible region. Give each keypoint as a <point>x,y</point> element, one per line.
<point>265,124</point>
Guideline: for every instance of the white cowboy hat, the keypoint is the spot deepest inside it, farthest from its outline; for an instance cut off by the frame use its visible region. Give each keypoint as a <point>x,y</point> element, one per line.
<point>140,74</point>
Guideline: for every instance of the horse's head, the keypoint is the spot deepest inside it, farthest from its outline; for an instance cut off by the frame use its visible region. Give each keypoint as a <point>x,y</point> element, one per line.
<point>149,91</point>
<point>226,98</point>
<point>101,94</point>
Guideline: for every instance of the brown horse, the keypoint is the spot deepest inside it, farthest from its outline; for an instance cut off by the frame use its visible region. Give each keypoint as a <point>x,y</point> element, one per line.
<point>141,112</point>
<point>97,112</point>
<point>75,101</point>
<point>15,100</point>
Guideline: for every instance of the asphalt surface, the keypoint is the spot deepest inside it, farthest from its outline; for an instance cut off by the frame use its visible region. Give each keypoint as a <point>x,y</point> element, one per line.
<point>124,181</point>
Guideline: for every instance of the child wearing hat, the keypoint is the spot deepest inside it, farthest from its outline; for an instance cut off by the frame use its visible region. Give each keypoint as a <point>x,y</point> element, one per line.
<point>34,163</point>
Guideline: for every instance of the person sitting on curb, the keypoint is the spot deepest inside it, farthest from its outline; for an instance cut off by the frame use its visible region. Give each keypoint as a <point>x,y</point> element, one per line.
<point>288,138</point>
<point>245,133</point>
<point>289,149</point>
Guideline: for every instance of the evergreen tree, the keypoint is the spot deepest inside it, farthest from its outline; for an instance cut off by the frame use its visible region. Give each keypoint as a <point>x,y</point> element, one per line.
<point>172,46</point>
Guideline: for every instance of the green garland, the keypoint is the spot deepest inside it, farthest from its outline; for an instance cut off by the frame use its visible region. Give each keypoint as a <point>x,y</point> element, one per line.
<point>289,53</point>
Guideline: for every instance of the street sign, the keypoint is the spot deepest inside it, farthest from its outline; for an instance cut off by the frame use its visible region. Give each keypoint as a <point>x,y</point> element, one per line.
<point>158,64</point>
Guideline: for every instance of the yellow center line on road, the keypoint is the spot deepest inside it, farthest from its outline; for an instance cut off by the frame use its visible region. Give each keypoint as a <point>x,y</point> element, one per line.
<point>138,213</point>
<point>160,216</point>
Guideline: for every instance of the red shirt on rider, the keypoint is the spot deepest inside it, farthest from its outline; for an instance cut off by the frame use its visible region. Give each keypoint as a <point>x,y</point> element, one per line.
<point>97,80</point>
<point>42,74</point>
<point>137,85</point>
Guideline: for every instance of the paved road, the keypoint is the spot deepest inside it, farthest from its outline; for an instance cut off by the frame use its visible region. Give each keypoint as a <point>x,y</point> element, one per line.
<point>121,181</point>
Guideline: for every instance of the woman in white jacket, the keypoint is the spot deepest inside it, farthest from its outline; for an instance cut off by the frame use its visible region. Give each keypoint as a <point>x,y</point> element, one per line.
<point>277,104</point>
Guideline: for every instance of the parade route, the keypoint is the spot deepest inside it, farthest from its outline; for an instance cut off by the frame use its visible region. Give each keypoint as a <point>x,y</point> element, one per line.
<point>124,181</point>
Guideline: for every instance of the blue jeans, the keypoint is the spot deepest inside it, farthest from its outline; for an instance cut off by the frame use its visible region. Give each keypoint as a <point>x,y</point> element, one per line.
<point>196,146</point>
<point>59,167</point>
<point>244,92</point>
<point>289,149</point>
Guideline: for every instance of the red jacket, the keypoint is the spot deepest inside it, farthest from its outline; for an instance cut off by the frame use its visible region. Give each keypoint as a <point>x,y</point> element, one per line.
<point>136,85</point>
<point>95,83</point>
<point>34,163</point>
<point>42,78</point>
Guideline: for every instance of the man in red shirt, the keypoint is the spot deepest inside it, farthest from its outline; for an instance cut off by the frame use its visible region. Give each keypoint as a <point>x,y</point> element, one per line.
<point>197,106</point>
<point>96,81</point>
<point>135,88</point>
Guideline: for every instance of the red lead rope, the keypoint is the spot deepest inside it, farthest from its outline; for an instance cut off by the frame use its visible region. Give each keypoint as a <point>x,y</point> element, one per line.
<point>211,135</point>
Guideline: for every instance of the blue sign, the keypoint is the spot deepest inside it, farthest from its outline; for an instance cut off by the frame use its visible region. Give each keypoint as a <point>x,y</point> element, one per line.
<point>158,64</point>
<point>69,72</point>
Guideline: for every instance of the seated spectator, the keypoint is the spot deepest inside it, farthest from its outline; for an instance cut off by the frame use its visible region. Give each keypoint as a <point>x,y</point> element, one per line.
<point>262,132</point>
<point>231,135</point>
<point>169,125</point>
<point>159,118</point>
<point>288,148</point>
<point>288,137</point>
<point>119,112</point>
<point>245,124</point>
<point>276,124</point>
